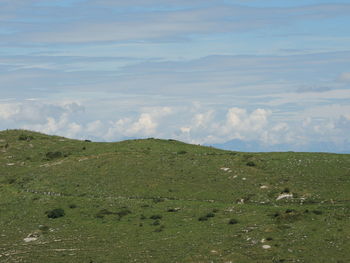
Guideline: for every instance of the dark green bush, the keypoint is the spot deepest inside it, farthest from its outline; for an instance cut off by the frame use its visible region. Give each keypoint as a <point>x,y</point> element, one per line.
<point>317,212</point>
<point>203,218</point>
<point>233,221</point>
<point>72,206</point>
<point>210,215</point>
<point>154,217</point>
<point>158,199</point>
<point>142,217</point>
<point>250,163</point>
<point>156,223</point>
<point>173,209</point>
<point>159,229</point>
<point>55,213</point>
<point>53,155</point>
<point>123,212</point>
<point>24,137</point>
<point>103,212</point>
<point>181,152</point>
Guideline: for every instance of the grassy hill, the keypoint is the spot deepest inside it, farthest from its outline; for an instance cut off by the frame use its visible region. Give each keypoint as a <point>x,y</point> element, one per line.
<point>151,200</point>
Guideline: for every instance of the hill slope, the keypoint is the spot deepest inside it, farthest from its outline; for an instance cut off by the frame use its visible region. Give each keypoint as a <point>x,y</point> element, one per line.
<point>152,200</point>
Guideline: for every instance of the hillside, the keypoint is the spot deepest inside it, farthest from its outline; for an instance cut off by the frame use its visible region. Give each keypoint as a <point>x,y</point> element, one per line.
<point>152,200</point>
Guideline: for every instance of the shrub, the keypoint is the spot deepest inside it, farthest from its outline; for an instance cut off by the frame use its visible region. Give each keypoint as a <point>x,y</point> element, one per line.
<point>123,213</point>
<point>159,229</point>
<point>44,228</point>
<point>203,218</point>
<point>53,155</point>
<point>181,152</point>
<point>24,137</point>
<point>155,217</point>
<point>87,140</point>
<point>142,217</point>
<point>317,212</point>
<point>250,163</point>
<point>156,223</point>
<point>55,213</point>
<point>286,190</point>
<point>158,199</point>
<point>233,221</point>
<point>103,212</point>
<point>173,209</point>
<point>215,210</point>
<point>72,206</point>
<point>210,215</point>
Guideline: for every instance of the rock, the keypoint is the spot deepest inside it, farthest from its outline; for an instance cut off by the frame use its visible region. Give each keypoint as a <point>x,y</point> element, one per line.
<point>266,246</point>
<point>284,195</point>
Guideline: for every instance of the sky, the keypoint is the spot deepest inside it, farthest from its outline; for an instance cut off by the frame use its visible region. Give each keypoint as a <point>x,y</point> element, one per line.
<point>245,75</point>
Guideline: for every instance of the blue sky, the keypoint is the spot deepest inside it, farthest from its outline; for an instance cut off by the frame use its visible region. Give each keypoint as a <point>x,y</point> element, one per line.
<point>247,75</point>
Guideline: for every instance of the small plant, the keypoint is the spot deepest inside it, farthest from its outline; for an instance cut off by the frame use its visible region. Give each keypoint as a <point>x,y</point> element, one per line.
<point>210,215</point>
<point>155,217</point>
<point>158,199</point>
<point>53,155</point>
<point>173,209</point>
<point>232,221</point>
<point>286,190</point>
<point>55,213</point>
<point>143,217</point>
<point>181,152</point>
<point>215,210</point>
<point>123,212</point>
<point>156,223</point>
<point>24,137</point>
<point>203,218</point>
<point>317,212</point>
<point>159,229</point>
<point>250,163</point>
<point>72,206</point>
<point>43,228</point>
<point>103,212</point>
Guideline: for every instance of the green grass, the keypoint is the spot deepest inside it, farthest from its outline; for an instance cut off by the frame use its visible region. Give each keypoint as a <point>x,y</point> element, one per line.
<point>141,201</point>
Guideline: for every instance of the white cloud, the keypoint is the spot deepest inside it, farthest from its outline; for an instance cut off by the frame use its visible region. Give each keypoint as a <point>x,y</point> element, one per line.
<point>345,77</point>
<point>8,110</point>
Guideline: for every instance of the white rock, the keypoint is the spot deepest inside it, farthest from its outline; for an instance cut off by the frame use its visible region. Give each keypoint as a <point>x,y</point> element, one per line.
<point>264,187</point>
<point>30,239</point>
<point>284,195</point>
<point>225,169</point>
<point>266,246</point>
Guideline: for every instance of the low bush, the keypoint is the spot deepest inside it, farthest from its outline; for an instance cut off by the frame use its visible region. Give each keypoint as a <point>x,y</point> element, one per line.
<point>210,215</point>
<point>156,223</point>
<point>250,163</point>
<point>24,137</point>
<point>55,213</point>
<point>155,217</point>
<point>103,212</point>
<point>181,152</point>
<point>123,212</point>
<point>233,221</point>
<point>53,155</point>
<point>159,229</point>
<point>203,218</point>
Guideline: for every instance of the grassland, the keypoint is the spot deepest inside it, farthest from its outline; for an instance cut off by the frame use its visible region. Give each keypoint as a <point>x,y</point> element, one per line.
<point>166,201</point>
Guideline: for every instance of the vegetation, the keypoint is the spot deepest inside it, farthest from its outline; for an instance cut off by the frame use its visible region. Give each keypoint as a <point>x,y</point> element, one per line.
<point>153,200</point>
